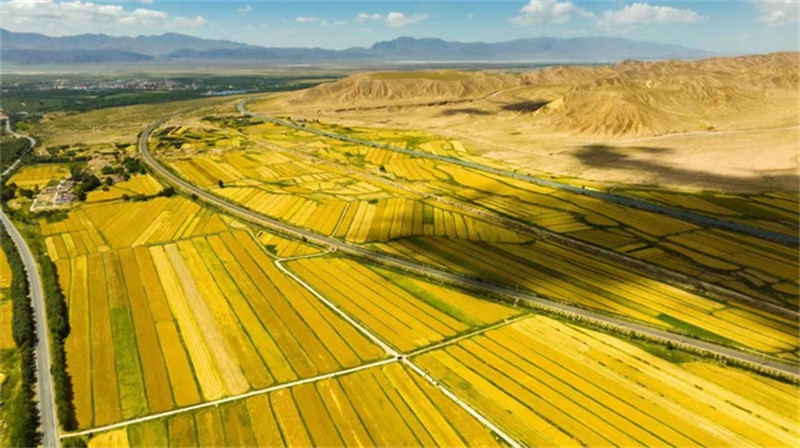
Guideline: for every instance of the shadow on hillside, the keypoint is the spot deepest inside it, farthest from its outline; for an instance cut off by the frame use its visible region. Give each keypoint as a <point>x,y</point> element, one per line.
<point>524,106</point>
<point>619,158</point>
<point>464,111</point>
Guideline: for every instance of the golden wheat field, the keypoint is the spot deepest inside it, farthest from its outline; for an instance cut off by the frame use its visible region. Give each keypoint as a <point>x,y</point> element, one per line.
<point>175,319</point>
<point>5,271</point>
<point>555,384</point>
<point>381,406</point>
<point>39,175</point>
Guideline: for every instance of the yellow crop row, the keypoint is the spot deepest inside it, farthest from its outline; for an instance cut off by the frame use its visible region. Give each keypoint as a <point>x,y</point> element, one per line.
<point>400,217</point>
<point>284,247</point>
<point>547,382</point>
<point>406,316</point>
<point>127,224</point>
<point>6,338</point>
<point>382,406</point>
<point>233,167</point>
<point>573,277</point>
<point>72,244</point>
<point>5,270</point>
<point>136,185</point>
<point>38,175</point>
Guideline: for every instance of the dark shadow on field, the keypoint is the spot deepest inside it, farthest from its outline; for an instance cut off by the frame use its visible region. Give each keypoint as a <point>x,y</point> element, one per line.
<point>619,158</point>
<point>464,111</point>
<point>524,106</point>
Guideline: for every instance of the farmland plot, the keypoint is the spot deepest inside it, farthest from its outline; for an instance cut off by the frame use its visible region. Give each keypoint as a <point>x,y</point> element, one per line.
<point>550,383</point>
<point>570,276</point>
<point>164,326</point>
<point>407,314</point>
<point>381,406</point>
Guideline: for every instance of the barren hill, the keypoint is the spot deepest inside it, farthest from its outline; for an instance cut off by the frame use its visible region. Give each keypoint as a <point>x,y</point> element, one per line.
<point>405,88</point>
<point>727,123</point>
<point>628,99</point>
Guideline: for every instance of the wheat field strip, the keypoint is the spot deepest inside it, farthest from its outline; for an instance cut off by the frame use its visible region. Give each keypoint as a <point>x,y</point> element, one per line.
<point>587,282</point>
<point>514,366</point>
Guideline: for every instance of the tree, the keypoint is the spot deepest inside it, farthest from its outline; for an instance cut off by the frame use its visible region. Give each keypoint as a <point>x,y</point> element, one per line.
<point>221,184</point>
<point>8,192</point>
<point>167,192</point>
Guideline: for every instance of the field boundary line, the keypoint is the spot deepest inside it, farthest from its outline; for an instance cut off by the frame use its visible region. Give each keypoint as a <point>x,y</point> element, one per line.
<point>403,358</point>
<point>374,338</point>
<point>217,402</point>
<point>508,321</point>
<point>341,218</point>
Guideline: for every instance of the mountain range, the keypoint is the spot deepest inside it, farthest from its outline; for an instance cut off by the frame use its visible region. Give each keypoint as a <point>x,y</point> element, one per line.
<point>35,48</point>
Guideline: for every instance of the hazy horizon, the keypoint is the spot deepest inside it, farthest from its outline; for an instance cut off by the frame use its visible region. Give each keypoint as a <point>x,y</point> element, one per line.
<point>724,27</point>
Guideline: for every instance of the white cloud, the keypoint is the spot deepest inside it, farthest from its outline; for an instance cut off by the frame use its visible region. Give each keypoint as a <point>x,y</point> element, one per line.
<point>363,17</point>
<point>543,11</point>
<point>73,17</point>
<point>639,13</point>
<point>306,19</point>
<point>393,19</point>
<point>245,8</point>
<point>188,22</point>
<point>398,19</point>
<point>776,13</point>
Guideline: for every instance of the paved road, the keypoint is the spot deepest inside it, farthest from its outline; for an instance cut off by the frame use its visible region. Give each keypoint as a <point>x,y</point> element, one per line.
<point>623,200</point>
<point>16,162</point>
<point>45,385</point>
<point>428,271</point>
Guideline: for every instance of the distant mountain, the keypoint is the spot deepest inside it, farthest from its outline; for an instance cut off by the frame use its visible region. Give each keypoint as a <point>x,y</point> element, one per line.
<point>146,45</point>
<point>600,49</point>
<point>33,48</point>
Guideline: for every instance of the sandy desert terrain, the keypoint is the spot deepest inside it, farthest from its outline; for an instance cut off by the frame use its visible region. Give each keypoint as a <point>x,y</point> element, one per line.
<point>695,125</point>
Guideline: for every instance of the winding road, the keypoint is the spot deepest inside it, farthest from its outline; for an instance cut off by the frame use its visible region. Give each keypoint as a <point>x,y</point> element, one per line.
<point>530,299</point>
<point>622,200</point>
<point>16,163</point>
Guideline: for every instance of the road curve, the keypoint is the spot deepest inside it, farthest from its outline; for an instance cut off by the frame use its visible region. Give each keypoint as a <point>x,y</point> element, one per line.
<point>543,303</point>
<point>47,407</point>
<point>16,162</point>
<point>623,200</point>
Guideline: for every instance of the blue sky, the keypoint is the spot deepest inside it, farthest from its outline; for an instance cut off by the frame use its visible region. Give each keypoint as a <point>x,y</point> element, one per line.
<point>746,26</point>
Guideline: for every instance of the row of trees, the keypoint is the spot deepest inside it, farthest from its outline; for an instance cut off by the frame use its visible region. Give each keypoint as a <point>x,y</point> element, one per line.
<point>21,409</point>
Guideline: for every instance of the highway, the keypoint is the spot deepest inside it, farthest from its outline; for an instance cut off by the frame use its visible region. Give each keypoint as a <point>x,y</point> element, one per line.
<point>47,407</point>
<point>623,200</point>
<point>535,301</point>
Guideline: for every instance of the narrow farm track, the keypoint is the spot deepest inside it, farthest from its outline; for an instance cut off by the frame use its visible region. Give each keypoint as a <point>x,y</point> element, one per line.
<point>402,357</point>
<point>626,201</point>
<point>229,399</point>
<point>750,359</point>
<point>47,408</point>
